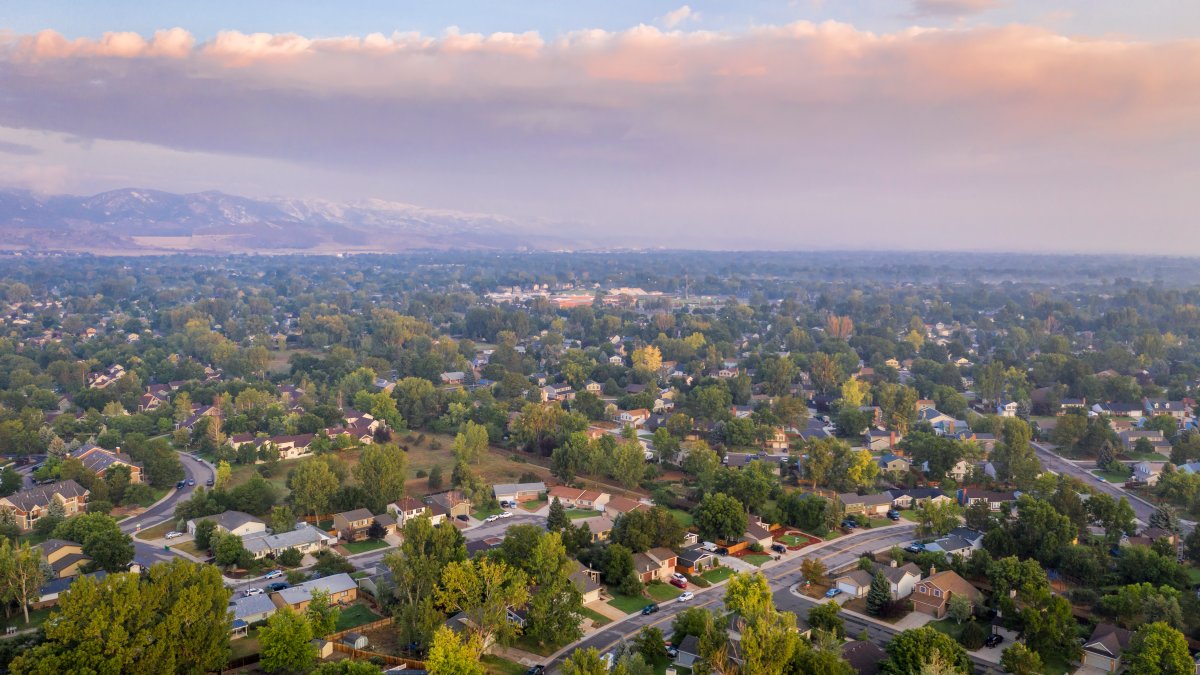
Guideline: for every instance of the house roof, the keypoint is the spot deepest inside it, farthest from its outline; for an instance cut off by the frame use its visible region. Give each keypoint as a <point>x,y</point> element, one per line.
<point>597,524</point>
<point>917,493</point>
<point>897,574</point>
<point>623,504</point>
<point>860,578</point>
<point>40,496</point>
<point>251,606</point>
<point>690,645</point>
<point>231,520</point>
<point>693,556</point>
<point>512,488</point>
<point>1108,640</point>
<point>948,580</point>
<point>56,586</point>
<point>284,540</point>
<point>407,504</point>
<point>356,514</point>
<point>337,583</point>
<point>863,657</point>
<point>867,500</point>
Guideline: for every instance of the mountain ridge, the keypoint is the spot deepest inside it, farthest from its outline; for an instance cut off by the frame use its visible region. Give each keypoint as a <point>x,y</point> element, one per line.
<point>139,220</point>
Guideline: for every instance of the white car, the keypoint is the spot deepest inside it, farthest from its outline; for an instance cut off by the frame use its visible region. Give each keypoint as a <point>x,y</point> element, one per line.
<point>607,660</point>
<point>687,595</point>
<point>491,519</point>
<point>506,514</point>
<point>273,574</point>
<point>253,591</point>
<point>679,576</point>
<point>172,534</point>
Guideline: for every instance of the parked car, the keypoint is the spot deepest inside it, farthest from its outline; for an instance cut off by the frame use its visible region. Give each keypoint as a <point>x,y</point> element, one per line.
<point>686,595</point>
<point>463,518</point>
<point>191,481</point>
<point>679,576</point>
<point>180,485</point>
<point>678,583</point>
<point>849,523</point>
<point>779,548</point>
<point>253,591</point>
<point>536,670</point>
<point>833,592</point>
<point>491,519</point>
<point>273,574</point>
<point>506,514</point>
<point>672,651</point>
<point>993,640</point>
<point>915,547</point>
<point>649,609</point>
<point>277,586</point>
<point>893,514</point>
<point>722,551</point>
<point>607,660</point>
<point>210,482</point>
<point>173,534</point>
<point>709,546</point>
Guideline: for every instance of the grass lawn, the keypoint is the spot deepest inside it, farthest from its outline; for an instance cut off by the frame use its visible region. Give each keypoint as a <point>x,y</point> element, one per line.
<point>189,547</point>
<point>717,575</point>
<point>597,618</point>
<point>495,665</point>
<point>792,540</point>
<point>36,618</point>
<point>832,534</point>
<point>1113,476</point>
<point>527,643</point>
<point>355,615</point>
<point>365,545</point>
<point>949,627</point>
<point>156,532</point>
<point>662,592</point>
<point>155,495</point>
<point>756,559</point>
<point>628,603</point>
<point>32,538</point>
<point>481,513</point>
<point>911,515</point>
<point>361,574</point>
<point>1057,665</point>
<point>1144,456</point>
<point>245,646</point>
<point>577,514</point>
<point>684,518</point>
<point>1194,575</point>
<point>534,505</point>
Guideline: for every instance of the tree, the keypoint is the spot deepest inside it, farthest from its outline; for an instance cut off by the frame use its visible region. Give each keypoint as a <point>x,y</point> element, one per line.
<point>936,518</point>
<point>960,608</point>
<point>101,538</point>
<point>347,667</point>
<point>820,662</point>
<point>557,520</point>
<point>720,517</point>
<point>282,519</point>
<point>313,485</point>
<point>229,551</point>
<point>618,570</point>
<point>826,617</point>
<point>1014,457</point>
<point>10,481</point>
<point>813,570</point>
<point>584,662</point>
<point>647,359</point>
<point>484,591</point>
<point>285,643</point>
<point>21,574</point>
<point>224,473</point>
<point>1164,517</point>
<point>471,443</point>
<point>555,604</point>
<point>450,654</point>
<point>1020,660</point>
<point>322,616</point>
<point>1050,626</point>
<point>911,650</point>
<point>1158,648</point>
<point>627,464</point>
<point>435,477</point>
<point>175,620</point>
<point>651,644</point>
<point>879,596</point>
<point>749,595</point>
<point>416,568</point>
<point>204,532</point>
<point>382,470</point>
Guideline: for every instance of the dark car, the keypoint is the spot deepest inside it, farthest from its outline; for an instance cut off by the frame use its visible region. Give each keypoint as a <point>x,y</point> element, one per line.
<point>678,583</point>
<point>849,524</point>
<point>180,485</point>
<point>779,548</point>
<point>893,514</point>
<point>277,586</point>
<point>536,670</point>
<point>210,482</point>
<point>464,518</point>
<point>649,609</point>
<point>722,551</point>
<point>914,547</point>
<point>993,640</point>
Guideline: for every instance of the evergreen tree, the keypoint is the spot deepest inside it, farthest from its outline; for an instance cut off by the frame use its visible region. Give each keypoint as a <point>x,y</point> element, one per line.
<point>879,597</point>
<point>557,521</point>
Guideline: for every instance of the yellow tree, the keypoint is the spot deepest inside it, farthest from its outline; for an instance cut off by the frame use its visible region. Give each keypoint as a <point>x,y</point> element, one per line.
<point>450,654</point>
<point>648,358</point>
<point>854,392</point>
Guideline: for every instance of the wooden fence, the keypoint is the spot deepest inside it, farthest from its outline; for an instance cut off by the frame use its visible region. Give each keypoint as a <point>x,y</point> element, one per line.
<point>388,659</point>
<point>381,623</point>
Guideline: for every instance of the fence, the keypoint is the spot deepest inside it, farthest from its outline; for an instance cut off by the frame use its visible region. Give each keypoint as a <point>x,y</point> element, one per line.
<point>388,659</point>
<point>381,623</point>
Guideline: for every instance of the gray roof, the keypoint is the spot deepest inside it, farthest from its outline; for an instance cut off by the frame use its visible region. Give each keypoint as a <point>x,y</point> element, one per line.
<point>252,606</point>
<point>868,500</point>
<point>284,540</point>
<point>338,583</point>
<point>512,488</point>
<point>861,578</point>
<point>357,514</point>
<point>41,495</point>
<point>231,520</point>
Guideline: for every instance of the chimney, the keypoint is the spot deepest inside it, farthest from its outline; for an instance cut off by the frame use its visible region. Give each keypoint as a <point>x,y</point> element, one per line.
<point>893,563</point>
<point>932,570</point>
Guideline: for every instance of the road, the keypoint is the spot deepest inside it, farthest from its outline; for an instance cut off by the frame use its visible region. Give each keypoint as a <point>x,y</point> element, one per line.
<point>1055,462</point>
<point>148,554</point>
<point>781,577</point>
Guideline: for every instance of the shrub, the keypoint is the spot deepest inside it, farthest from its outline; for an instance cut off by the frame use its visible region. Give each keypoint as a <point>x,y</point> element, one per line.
<point>290,558</point>
<point>973,635</point>
<point>99,506</point>
<point>421,473</point>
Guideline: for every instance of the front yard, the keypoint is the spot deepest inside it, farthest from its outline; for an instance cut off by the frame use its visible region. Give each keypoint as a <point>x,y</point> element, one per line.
<point>628,603</point>
<point>662,592</point>
<point>757,559</point>
<point>364,545</point>
<point>577,514</point>
<point>355,615</point>
<point>684,518</point>
<point>717,574</point>
<point>597,618</point>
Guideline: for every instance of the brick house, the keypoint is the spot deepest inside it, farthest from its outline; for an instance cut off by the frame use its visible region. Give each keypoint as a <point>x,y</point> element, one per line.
<point>353,525</point>
<point>932,594</point>
<point>657,564</point>
<point>28,506</point>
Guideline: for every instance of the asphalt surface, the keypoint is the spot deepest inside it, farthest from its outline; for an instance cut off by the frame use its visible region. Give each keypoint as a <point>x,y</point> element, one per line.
<point>149,554</point>
<point>1055,462</point>
<point>781,577</point>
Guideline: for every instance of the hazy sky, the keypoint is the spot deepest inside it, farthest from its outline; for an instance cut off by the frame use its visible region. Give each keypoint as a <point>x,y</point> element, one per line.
<point>919,124</point>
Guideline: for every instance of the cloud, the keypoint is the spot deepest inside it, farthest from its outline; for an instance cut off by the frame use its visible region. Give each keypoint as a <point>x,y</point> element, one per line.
<point>677,17</point>
<point>952,7</point>
<point>19,149</point>
<point>792,131</point>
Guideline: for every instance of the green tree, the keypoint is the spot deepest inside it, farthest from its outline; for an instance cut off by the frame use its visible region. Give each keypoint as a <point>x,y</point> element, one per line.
<point>435,477</point>
<point>960,608</point>
<point>484,591</point>
<point>22,574</point>
<point>203,535</point>
<point>1050,627</point>
<point>347,667</point>
<point>826,617</point>
<point>176,620</point>
<point>584,662</point>
<point>229,551</point>
<point>286,643</point>
<point>651,644</point>
<point>720,517</point>
<point>450,654</point>
<point>879,596</point>
<point>936,518</point>
<point>911,650</point>
<point>382,470</point>
<point>471,443</point>
<point>749,595</point>
<point>1157,648</point>
<point>555,604</point>
<point>322,616</point>
<point>10,481</point>
<point>313,485</point>
<point>283,519</point>
<point>101,538</point>
<point>416,568</point>
<point>557,520</point>
<point>1020,660</point>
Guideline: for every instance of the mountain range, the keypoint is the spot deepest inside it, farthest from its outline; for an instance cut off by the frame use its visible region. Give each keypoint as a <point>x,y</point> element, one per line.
<point>134,220</point>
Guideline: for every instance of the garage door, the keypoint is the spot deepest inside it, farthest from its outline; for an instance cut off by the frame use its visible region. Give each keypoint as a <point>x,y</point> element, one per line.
<point>1096,661</point>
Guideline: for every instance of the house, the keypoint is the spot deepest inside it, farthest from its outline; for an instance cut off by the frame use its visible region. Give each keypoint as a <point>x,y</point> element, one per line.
<point>932,594</point>
<point>232,522</point>
<point>907,498</point>
<point>518,492</point>
<point>453,502</point>
<point>890,463</point>
<point>758,533</point>
<point>600,527</point>
<point>855,583</point>
<point>619,505</point>
<point>1133,410</point>
<point>1148,472</point>
<point>864,657</point>
<point>901,578</point>
<point>695,560</point>
<point>407,508</point>
<point>29,505</point>
<point>688,652</point>
<point>49,593</point>
<point>341,589</point>
<point>387,521</point>
<point>353,525</point>
<point>960,470</point>
<point>657,564</point>
<point>593,387</point>
<point>635,417</point>
<point>968,496</point>
<point>251,608</point>
<point>64,558</point>
<point>1158,406</point>
<point>1007,409</point>
<point>587,580</point>
<point>951,545</point>
<point>98,460</point>
<point>871,505</point>
<point>1104,648</point>
<point>306,539</point>
<point>580,499</point>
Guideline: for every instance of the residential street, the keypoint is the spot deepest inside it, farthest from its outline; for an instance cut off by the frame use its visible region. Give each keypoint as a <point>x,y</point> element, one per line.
<point>195,469</point>
<point>1055,462</point>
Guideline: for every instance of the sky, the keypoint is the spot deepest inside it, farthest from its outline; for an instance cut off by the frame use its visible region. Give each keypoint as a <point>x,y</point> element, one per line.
<point>1014,125</point>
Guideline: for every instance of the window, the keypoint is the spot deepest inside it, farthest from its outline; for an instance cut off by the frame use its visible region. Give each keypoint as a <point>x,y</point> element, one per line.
<point>937,593</point>
<point>921,589</point>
